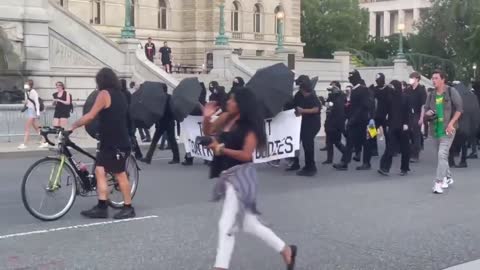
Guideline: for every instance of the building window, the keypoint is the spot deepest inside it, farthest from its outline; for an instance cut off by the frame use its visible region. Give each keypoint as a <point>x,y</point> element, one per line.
<point>259,52</point>
<point>257,19</point>
<point>236,17</point>
<point>279,9</point>
<point>62,3</point>
<point>96,12</point>
<point>162,14</point>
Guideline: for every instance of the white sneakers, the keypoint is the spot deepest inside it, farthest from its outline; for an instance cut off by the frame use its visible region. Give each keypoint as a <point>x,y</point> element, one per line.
<point>438,187</point>
<point>41,145</point>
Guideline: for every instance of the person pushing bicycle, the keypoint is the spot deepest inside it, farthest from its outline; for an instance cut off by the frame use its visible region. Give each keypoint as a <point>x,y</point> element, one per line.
<point>111,108</point>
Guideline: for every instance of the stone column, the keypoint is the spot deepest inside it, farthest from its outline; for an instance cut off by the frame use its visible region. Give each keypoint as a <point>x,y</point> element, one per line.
<point>386,24</point>
<point>401,18</point>
<point>416,19</point>
<point>221,61</point>
<point>344,58</point>
<point>400,69</point>
<point>373,24</point>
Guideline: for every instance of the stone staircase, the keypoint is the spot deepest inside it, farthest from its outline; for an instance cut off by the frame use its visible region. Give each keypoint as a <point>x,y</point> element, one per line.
<point>205,78</point>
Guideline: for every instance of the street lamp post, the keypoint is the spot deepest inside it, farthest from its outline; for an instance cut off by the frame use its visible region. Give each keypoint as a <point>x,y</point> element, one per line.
<point>222,39</point>
<point>280,16</point>
<point>400,54</point>
<point>128,30</point>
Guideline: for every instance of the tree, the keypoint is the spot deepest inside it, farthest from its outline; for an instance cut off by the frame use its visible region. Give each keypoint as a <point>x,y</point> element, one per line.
<point>451,30</point>
<point>330,25</point>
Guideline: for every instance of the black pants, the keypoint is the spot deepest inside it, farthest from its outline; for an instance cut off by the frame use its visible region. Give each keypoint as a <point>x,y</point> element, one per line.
<point>144,134</point>
<point>334,138</point>
<point>307,137</point>
<point>459,145</point>
<point>357,137</point>
<point>160,128</point>
<point>163,140</point>
<point>415,137</point>
<point>399,140</point>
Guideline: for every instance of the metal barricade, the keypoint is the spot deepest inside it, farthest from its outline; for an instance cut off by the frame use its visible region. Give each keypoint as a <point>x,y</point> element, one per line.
<point>12,120</point>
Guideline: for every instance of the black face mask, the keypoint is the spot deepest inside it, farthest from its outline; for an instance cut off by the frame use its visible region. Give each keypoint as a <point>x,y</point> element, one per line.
<point>354,78</point>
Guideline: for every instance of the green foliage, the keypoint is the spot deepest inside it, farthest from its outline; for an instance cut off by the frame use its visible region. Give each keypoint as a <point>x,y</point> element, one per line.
<point>451,30</point>
<point>330,25</point>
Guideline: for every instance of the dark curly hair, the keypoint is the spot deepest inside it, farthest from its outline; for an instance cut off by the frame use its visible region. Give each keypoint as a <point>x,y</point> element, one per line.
<point>107,79</point>
<point>251,117</point>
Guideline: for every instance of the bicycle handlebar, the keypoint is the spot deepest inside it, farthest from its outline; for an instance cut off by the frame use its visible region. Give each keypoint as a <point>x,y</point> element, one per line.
<point>45,131</point>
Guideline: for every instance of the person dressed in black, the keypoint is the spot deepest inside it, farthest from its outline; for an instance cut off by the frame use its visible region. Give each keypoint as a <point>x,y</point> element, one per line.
<point>198,111</point>
<point>335,122</point>
<point>382,93</point>
<point>111,108</point>
<point>308,106</point>
<point>399,117</point>
<point>238,132</point>
<point>218,95</point>
<point>150,49</point>
<point>238,82</point>
<point>417,95</point>
<point>130,123</point>
<point>165,124</point>
<point>475,139</point>
<point>360,115</point>
<point>166,57</point>
<point>63,106</point>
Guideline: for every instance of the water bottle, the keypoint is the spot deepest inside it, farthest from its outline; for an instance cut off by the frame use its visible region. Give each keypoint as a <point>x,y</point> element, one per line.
<point>83,173</point>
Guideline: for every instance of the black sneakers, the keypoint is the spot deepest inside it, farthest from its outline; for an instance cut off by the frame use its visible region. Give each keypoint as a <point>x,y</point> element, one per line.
<point>96,212</point>
<point>99,212</point>
<point>126,212</point>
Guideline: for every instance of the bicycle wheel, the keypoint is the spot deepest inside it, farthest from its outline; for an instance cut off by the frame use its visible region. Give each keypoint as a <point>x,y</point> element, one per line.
<point>115,197</point>
<point>49,189</point>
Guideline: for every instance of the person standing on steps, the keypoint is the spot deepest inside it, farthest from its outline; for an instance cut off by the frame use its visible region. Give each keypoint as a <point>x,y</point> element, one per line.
<point>111,108</point>
<point>399,117</point>
<point>360,117</point>
<point>335,122</point>
<point>165,124</point>
<point>150,50</point>
<point>443,108</point>
<point>308,106</point>
<point>240,131</point>
<point>166,57</point>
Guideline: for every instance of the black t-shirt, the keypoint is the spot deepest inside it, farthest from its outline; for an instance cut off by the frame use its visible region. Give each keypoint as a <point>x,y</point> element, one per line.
<point>165,51</point>
<point>417,98</point>
<point>308,102</point>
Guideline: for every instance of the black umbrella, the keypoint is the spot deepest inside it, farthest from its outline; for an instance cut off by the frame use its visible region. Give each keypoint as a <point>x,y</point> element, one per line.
<point>314,82</point>
<point>185,98</point>
<point>92,128</point>
<point>273,87</point>
<point>148,103</point>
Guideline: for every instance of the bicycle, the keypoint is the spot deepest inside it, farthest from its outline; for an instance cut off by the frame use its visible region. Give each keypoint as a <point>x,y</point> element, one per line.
<point>79,181</point>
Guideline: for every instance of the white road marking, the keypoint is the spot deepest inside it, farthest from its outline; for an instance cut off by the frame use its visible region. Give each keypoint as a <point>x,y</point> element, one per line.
<point>75,227</point>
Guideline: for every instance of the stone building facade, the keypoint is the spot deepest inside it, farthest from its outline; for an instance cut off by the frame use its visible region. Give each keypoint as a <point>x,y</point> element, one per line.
<point>190,26</point>
<point>386,15</point>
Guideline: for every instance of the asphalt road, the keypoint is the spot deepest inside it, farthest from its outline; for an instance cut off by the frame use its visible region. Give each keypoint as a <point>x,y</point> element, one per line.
<point>340,220</point>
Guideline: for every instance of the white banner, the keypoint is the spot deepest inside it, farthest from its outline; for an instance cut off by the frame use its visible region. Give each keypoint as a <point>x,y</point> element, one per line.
<point>283,136</point>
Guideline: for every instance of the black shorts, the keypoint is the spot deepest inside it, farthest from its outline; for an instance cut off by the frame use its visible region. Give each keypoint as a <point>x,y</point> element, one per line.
<point>113,161</point>
<point>61,114</point>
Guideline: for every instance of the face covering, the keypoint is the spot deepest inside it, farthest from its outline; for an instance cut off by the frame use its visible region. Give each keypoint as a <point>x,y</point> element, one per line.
<point>354,77</point>
<point>26,87</point>
<point>412,81</point>
<point>380,80</point>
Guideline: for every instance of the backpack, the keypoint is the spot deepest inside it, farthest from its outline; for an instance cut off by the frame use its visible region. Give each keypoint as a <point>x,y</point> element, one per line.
<point>40,102</point>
